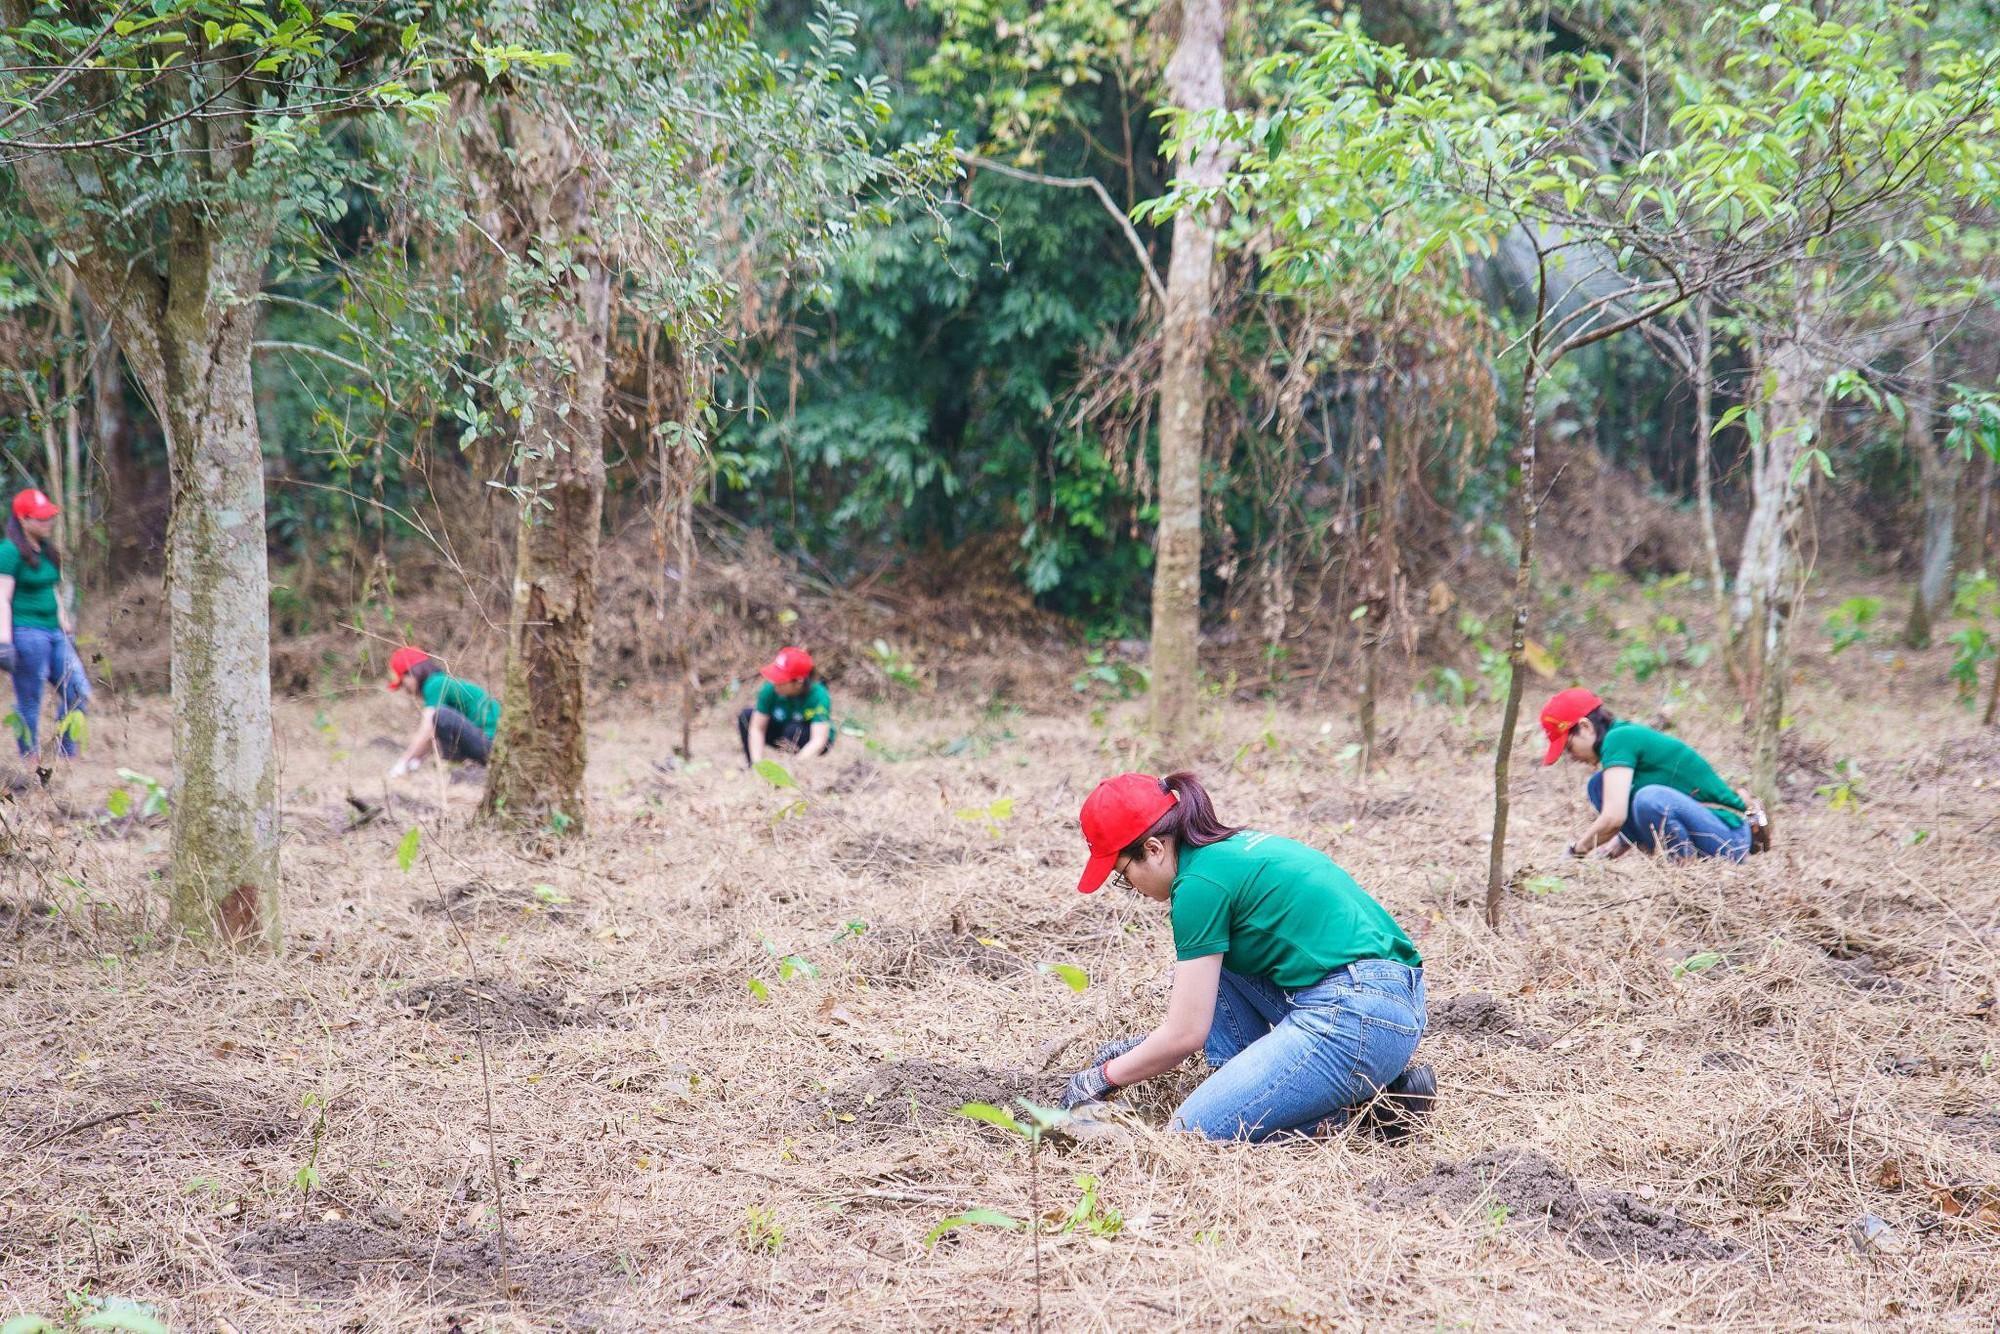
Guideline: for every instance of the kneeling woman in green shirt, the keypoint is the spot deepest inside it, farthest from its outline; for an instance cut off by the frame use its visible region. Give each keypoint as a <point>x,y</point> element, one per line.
<point>1305,995</point>
<point>1652,791</point>
<point>459,718</point>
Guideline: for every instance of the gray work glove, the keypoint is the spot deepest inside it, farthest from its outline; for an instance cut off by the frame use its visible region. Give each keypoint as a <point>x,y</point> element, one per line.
<point>1092,1084</point>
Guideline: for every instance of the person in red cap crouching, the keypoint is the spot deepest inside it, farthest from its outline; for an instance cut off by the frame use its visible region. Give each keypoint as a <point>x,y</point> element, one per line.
<point>1304,994</point>
<point>459,718</point>
<point>36,647</point>
<point>793,709</point>
<point>1652,791</point>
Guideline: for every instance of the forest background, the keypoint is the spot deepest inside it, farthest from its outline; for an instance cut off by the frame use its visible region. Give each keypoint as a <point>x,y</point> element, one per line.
<point>444,291</point>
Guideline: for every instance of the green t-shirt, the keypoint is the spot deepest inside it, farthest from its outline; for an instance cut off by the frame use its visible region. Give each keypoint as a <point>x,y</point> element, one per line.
<point>441,691</point>
<point>1275,908</point>
<point>1656,758</point>
<point>34,587</point>
<point>815,706</point>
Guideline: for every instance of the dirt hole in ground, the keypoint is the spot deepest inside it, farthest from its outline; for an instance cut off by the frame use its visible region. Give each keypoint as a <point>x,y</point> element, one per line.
<point>905,956</point>
<point>483,901</point>
<point>1982,1128</point>
<point>331,1259</point>
<point>501,1007</point>
<point>1479,1017</point>
<point>1506,1186</point>
<point>911,1093</point>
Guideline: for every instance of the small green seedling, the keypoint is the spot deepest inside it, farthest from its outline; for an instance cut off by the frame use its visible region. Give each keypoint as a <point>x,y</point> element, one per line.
<point>406,848</point>
<point>779,777</point>
<point>761,1229</point>
<point>1844,792</point>
<point>993,814</point>
<point>1089,1215</point>
<point>1071,976</point>
<point>1697,963</point>
<point>1847,624</point>
<point>970,1218</point>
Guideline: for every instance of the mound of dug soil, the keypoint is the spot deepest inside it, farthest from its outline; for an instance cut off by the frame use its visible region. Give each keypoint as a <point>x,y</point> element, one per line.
<point>497,1006</point>
<point>330,1259</point>
<point>905,1094</point>
<point>1516,1185</point>
<point>1477,1015</point>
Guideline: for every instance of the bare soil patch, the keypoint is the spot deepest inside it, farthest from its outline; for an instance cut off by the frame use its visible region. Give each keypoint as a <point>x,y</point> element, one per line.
<point>1511,1186</point>
<point>1480,1017</point>
<point>914,1094</point>
<point>498,1006</point>
<point>330,1259</point>
<point>900,956</point>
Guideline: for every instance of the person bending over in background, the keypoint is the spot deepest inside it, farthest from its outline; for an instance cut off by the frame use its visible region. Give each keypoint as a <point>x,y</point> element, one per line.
<point>459,718</point>
<point>793,710</point>
<point>1305,995</point>
<point>36,647</point>
<point>1652,791</point>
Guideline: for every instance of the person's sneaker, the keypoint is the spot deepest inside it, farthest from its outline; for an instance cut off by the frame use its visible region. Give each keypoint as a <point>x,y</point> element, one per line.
<point>1404,1105</point>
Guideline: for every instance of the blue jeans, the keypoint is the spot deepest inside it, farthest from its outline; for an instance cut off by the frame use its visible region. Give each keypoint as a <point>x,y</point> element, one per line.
<point>1662,818</point>
<point>1287,1060</point>
<point>45,658</point>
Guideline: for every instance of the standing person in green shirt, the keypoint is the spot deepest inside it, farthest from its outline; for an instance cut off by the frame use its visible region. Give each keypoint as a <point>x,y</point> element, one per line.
<point>1304,994</point>
<point>1652,791</point>
<point>459,718</point>
<point>793,709</point>
<point>36,644</point>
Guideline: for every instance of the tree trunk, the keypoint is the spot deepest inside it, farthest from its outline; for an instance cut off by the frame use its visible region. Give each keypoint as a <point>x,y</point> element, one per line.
<point>1510,714</point>
<point>111,441</point>
<point>1940,468</point>
<point>1704,454</point>
<point>543,188</point>
<point>1194,81</point>
<point>1795,393</point>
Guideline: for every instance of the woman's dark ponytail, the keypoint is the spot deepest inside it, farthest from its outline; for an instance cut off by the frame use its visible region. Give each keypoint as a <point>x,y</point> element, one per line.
<point>31,553</point>
<point>1191,822</point>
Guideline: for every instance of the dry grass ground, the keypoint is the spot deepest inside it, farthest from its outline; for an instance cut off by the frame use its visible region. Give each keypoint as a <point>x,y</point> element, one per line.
<point>1620,1143</point>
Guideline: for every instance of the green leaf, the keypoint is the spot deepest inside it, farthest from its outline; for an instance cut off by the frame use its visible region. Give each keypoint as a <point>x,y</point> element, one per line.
<point>970,1218</point>
<point>130,1321</point>
<point>757,989</point>
<point>28,1324</point>
<point>774,773</point>
<point>406,851</point>
<point>1073,977</point>
<point>1697,963</point>
<point>119,803</point>
<point>992,1116</point>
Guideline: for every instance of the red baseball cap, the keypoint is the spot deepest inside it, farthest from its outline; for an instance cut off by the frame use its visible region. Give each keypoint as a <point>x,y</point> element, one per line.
<point>1115,815</point>
<point>792,664</point>
<point>33,504</point>
<point>401,661</point>
<point>1563,712</point>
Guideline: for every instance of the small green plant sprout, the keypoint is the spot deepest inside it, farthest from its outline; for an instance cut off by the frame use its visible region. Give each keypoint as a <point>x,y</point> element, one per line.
<point>306,1179</point>
<point>1497,1214</point>
<point>761,992</point>
<point>1847,624</point>
<point>1088,1215</point>
<point>1696,963</point>
<point>779,777</point>
<point>1103,675</point>
<point>548,896</point>
<point>152,801</point>
<point>91,1313</point>
<point>993,814</point>
<point>73,727</point>
<point>1542,885</point>
<point>1976,598</point>
<point>895,666</point>
<point>970,1218</point>
<point>852,929</point>
<point>1844,792</point>
<point>761,1229</point>
<point>1068,973</point>
<point>406,848</point>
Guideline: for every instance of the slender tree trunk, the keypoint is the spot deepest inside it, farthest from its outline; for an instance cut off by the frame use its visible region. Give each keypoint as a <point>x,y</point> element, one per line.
<point>1195,83</point>
<point>1704,455</point>
<point>111,439</point>
<point>1795,396</point>
<point>1940,468</point>
<point>1510,714</point>
<point>542,187</point>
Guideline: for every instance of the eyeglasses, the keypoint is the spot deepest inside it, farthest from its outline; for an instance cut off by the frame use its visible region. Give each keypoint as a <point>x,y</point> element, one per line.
<point>1118,880</point>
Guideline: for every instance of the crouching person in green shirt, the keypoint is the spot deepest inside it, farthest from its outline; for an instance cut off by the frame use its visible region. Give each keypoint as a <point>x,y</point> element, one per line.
<point>1304,994</point>
<point>793,710</point>
<point>459,718</point>
<point>1652,791</point>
